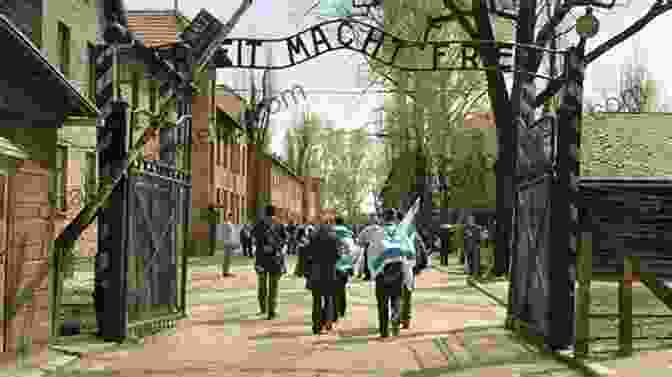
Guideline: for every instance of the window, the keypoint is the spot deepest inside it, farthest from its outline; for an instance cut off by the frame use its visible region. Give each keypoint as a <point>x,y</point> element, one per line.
<point>153,95</point>
<point>225,156</point>
<point>135,97</point>
<point>64,48</point>
<point>92,71</point>
<point>3,214</point>
<point>90,176</point>
<point>61,159</point>
<point>220,158</point>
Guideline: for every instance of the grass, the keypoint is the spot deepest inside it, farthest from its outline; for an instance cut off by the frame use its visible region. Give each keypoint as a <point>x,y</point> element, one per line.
<point>604,300</point>
<point>78,288</point>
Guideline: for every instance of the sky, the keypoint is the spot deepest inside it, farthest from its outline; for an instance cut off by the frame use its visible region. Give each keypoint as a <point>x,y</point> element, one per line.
<point>279,18</point>
<point>340,70</point>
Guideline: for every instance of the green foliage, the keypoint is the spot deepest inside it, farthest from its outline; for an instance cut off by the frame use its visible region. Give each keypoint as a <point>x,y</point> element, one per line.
<point>471,177</point>
<point>428,108</point>
<point>344,160</point>
<point>302,144</point>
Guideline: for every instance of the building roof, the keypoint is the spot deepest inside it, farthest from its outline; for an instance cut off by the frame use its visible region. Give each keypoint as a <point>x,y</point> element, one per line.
<point>154,27</point>
<point>34,65</point>
<point>479,120</point>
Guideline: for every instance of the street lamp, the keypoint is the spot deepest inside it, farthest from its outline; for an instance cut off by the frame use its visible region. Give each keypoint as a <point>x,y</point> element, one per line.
<point>587,25</point>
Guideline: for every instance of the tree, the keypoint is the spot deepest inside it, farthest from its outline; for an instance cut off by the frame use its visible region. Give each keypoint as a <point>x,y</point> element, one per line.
<point>477,22</point>
<point>301,144</point>
<point>537,23</point>
<point>344,160</point>
<point>637,91</point>
<point>425,107</point>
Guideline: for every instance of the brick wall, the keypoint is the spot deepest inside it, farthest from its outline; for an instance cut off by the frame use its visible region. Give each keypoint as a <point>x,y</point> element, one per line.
<point>202,167</point>
<point>30,229</point>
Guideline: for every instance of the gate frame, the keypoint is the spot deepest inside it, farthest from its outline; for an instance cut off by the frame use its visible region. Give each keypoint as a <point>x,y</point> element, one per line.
<point>564,216</point>
<point>113,324</point>
<point>567,137</point>
<point>564,191</point>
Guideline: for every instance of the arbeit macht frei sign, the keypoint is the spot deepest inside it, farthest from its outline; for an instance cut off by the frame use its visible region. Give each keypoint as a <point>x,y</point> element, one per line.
<point>340,34</point>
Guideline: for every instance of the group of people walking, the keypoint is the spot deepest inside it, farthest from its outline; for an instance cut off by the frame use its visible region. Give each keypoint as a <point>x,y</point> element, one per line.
<point>329,256</point>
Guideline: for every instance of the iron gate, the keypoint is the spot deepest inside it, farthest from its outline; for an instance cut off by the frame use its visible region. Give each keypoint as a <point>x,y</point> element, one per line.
<point>158,196</point>
<point>529,294</point>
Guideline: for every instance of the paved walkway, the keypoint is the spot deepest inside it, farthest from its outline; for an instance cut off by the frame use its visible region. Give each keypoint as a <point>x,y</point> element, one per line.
<point>456,331</point>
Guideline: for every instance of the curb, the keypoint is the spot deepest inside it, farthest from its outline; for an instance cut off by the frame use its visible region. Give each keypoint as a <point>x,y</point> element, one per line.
<point>591,369</point>
<point>58,362</point>
<point>64,361</point>
<point>472,282</point>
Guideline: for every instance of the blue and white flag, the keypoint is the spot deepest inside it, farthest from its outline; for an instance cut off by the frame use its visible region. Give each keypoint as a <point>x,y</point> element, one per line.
<point>406,233</point>
<point>345,235</point>
<point>394,243</point>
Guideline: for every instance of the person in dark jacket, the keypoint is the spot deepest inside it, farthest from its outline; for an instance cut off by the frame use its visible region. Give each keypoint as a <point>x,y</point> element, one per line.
<point>269,261</point>
<point>302,242</point>
<point>472,249</point>
<point>321,255</point>
<point>246,240</point>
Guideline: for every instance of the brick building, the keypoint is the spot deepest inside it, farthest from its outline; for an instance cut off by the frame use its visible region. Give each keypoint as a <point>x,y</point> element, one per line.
<point>228,175</point>
<point>39,100</point>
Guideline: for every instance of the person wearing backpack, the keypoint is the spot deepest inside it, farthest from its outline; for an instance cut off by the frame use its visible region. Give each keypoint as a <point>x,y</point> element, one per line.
<point>386,266</point>
<point>322,254</point>
<point>269,261</point>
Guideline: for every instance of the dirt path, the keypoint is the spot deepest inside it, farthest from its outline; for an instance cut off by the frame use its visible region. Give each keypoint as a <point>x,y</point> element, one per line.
<point>225,337</point>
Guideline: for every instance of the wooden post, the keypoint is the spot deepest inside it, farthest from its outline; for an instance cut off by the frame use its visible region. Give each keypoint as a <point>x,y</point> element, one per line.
<point>625,308</point>
<point>584,272</point>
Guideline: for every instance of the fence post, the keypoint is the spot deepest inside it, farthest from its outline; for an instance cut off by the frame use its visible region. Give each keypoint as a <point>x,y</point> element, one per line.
<point>110,273</point>
<point>564,207</point>
<point>625,308</point>
<point>585,272</point>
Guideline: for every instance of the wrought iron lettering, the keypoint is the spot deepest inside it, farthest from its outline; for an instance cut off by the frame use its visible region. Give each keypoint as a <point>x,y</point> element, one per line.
<point>240,52</point>
<point>473,58</point>
<point>341,26</point>
<point>437,54</point>
<point>337,30</point>
<point>253,51</point>
<point>315,33</point>
<point>296,47</point>
<point>371,37</point>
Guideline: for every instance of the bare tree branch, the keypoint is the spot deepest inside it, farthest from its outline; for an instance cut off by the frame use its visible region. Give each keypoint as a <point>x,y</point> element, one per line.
<point>658,8</point>
<point>463,19</point>
<point>547,33</point>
